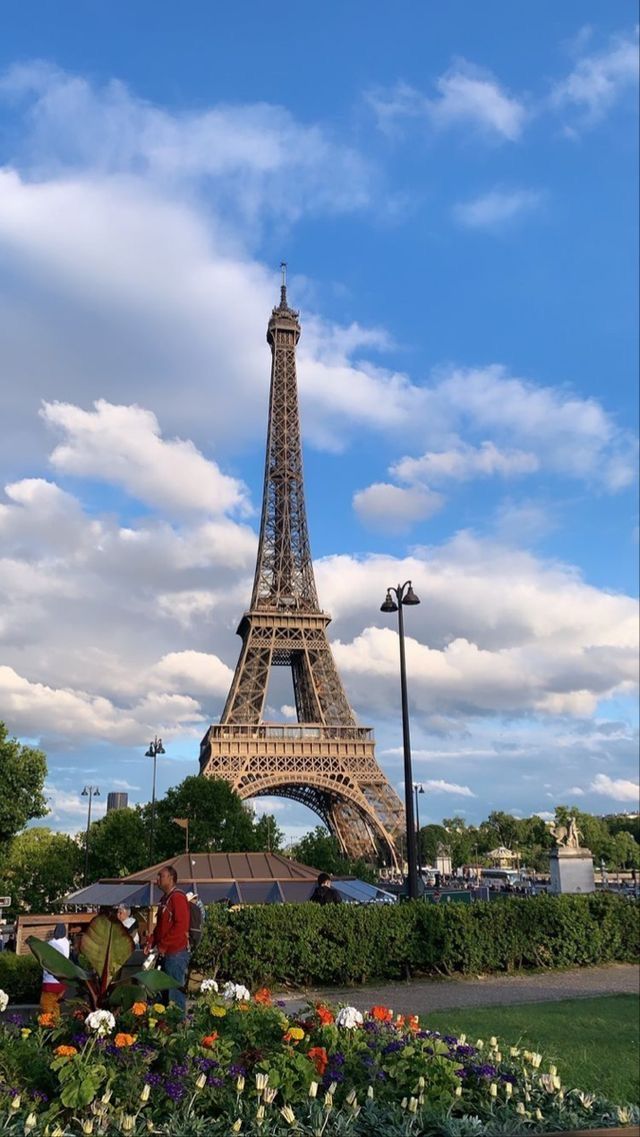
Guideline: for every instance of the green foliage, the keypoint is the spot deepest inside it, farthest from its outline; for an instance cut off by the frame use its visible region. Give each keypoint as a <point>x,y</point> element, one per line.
<point>20,977</point>
<point>40,868</point>
<point>118,843</point>
<point>314,945</point>
<point>322,852</point>
<point>218,821</point>
<point>22,773</point>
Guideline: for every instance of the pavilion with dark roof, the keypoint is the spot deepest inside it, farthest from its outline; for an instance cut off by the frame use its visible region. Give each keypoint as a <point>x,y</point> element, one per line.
<point>232,878</point>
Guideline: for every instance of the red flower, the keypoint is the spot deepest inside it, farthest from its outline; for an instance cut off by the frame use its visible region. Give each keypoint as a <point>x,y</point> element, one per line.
<point>319,1057</point>
<point>381,1014</point>
<point>325,1015</point>
<point>209,1039</point>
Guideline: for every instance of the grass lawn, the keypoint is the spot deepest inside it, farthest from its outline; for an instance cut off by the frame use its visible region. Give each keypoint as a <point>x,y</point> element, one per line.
<point>594,1043</point>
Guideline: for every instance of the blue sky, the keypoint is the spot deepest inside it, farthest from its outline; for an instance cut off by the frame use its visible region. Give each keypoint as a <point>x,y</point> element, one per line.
<point>454,191</point>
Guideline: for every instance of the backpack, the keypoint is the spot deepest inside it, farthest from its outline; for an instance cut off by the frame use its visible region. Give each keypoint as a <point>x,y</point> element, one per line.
<point>196,923</point>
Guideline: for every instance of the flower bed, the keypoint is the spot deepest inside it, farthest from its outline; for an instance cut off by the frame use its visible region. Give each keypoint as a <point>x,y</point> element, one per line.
<point>239,1064</point>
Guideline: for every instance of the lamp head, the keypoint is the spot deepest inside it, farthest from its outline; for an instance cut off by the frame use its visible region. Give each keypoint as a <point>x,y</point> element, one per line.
<point>96,792</point>
<point>85,792</point>
<point>389,603</point>
<point>160,748</point>
<point>149,753</point>
<point>410,596</point>
<point>421,789</point>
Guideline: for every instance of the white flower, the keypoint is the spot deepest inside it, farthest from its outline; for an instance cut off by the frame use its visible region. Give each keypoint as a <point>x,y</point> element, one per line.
<point>235,992</point>
<point>349,1018</point>
<point>208,985</point>
<point>4,1001</point>
<point>102,1022</point>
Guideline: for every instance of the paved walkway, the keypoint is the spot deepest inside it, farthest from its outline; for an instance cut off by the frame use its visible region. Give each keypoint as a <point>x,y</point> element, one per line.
<point>423,995</point>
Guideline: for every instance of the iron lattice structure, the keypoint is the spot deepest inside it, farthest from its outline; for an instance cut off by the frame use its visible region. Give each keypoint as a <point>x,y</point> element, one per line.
<point>325,760</point>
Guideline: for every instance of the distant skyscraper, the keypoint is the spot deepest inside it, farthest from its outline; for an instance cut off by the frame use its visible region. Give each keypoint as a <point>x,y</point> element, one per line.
<point>117,801</point>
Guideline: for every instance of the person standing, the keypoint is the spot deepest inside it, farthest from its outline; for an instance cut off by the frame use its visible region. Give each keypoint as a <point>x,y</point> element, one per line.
<point>324,892</point>
<point>129,922</point>
<point>53,989</point>
<point>170,937</point>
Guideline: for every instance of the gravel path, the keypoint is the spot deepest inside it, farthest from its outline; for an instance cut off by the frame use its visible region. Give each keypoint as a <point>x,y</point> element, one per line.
<point>424,995</point>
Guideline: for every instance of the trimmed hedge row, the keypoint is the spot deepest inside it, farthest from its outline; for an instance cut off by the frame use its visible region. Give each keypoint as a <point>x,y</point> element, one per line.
<point>20,977</point>
<point>311,945</point>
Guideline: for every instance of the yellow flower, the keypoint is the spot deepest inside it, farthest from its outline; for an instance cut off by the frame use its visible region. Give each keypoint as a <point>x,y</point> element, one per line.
<point>159,1008</point>
<point>295,1033</point>
<point>25,1032</point>
<point>493,1090</point>
<point>151,1023</point>
<point>458,1091</point>
<point>218,1012</point>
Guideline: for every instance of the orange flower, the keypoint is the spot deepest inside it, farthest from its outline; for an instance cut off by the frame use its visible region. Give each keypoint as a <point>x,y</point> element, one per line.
<point>65,1051</point>
<point>414,1023</point>
<point>46,1019</point>
<point>139,1008</point>
<point>382,1014</point>
<point>319,1057</point>
<point>122,1040</point>
<point>263,996</point>
<point>243,1006</point>
<point>209,1039</point>
<point>399,1021</point>
<point>325,1015</point>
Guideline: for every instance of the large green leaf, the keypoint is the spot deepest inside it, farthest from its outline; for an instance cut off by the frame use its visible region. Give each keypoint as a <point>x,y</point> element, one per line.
<point>53,961</point>
<point>107,945</point>
<point>155,980</point>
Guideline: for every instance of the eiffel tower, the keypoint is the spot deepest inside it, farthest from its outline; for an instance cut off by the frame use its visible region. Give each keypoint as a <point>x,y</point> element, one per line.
<point>325,760</point>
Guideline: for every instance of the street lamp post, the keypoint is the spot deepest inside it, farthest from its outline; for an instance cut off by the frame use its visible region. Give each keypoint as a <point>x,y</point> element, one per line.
<point>418,788</point>
<point>90,792</point>
<point>155,748</point>
<point>404,594</point>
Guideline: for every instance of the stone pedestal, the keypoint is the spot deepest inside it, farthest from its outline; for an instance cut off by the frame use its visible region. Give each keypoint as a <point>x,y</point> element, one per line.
<point>571,870</point>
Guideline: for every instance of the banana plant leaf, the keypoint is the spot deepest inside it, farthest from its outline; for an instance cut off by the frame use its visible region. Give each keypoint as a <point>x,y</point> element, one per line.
<point>155,980</point>
<point>54,962</point>
<point>107,946</point>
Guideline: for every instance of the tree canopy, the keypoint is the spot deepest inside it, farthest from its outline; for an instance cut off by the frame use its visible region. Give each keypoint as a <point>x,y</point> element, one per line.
<point>40,868</point>
<point>22,773</point>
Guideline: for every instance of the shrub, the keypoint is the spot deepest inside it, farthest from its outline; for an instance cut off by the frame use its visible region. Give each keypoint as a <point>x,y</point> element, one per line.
<point>20,977</point>
<point>307,944</point>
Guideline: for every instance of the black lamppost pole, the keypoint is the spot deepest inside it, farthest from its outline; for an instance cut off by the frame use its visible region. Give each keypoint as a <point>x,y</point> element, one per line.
<point>90,792</point>
<point>418,788</point>
<point>155,748</point>
<point>404,594</point>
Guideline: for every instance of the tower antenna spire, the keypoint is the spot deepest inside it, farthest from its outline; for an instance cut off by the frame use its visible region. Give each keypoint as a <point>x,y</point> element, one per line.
<point>283,284</point>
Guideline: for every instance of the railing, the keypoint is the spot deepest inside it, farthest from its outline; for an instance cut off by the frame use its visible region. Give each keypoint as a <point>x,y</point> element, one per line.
<point>293,732</point>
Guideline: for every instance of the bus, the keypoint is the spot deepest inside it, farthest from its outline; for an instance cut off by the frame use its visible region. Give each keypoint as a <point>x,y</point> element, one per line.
<point>500,876</point>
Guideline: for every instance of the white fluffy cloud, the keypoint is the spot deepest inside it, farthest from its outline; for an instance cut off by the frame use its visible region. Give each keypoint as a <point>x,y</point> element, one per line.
<point>438,785</point>
<point>464,462</point>
<point>497,208</point>
<point>599,79</point>
<point>620,789</point>
<point>123,445</point>
<point>393,509</point>
<point>466,96</point>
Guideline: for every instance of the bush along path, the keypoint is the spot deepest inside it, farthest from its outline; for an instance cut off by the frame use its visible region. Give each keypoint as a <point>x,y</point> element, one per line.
<point>239,1064</point>
<point>309,945</point>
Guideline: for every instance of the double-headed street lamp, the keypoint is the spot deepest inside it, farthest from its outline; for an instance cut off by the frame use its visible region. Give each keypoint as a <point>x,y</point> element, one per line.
<point>155,748</point>
<point>90,792</point>
<point>404,594</point>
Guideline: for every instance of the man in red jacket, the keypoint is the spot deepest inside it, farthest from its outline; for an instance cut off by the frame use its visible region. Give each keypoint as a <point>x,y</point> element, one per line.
<point>170,937</point>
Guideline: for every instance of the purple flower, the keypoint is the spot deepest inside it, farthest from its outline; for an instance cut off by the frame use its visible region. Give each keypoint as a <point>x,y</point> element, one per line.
<point>237,1071</point>
<point>280,1003</point>
<point>393,1047</point>
<point>465,1051</point>
<point>508,1078</point>
<point>175,1091</point>
<point>15,1019</point>
<point>213,1081</point>
<point>450,1039</point>
<point>153,1079</point>
<point>205,1065</point>
<point>179,1071</point>
<point>39,1095</point>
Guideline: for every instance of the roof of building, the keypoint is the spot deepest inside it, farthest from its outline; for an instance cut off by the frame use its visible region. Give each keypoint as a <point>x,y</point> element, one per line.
<point>203,867</point>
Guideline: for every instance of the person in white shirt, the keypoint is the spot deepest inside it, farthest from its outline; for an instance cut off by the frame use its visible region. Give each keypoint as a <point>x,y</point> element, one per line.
<point>129,922</point>
<point>53,989</point>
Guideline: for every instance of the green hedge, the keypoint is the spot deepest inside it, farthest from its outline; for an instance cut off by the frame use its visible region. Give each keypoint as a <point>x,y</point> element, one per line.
<point>20,977</point>
<point>309,945</point>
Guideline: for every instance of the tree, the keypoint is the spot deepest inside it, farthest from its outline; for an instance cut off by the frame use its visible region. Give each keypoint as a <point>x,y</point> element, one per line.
<point>40,868</point>
<point>118,844</point>
<point>429,838</point>
<point>269,836</point>
<point>218,820</point>
<point>321,851</point>
<point>22,773</point>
